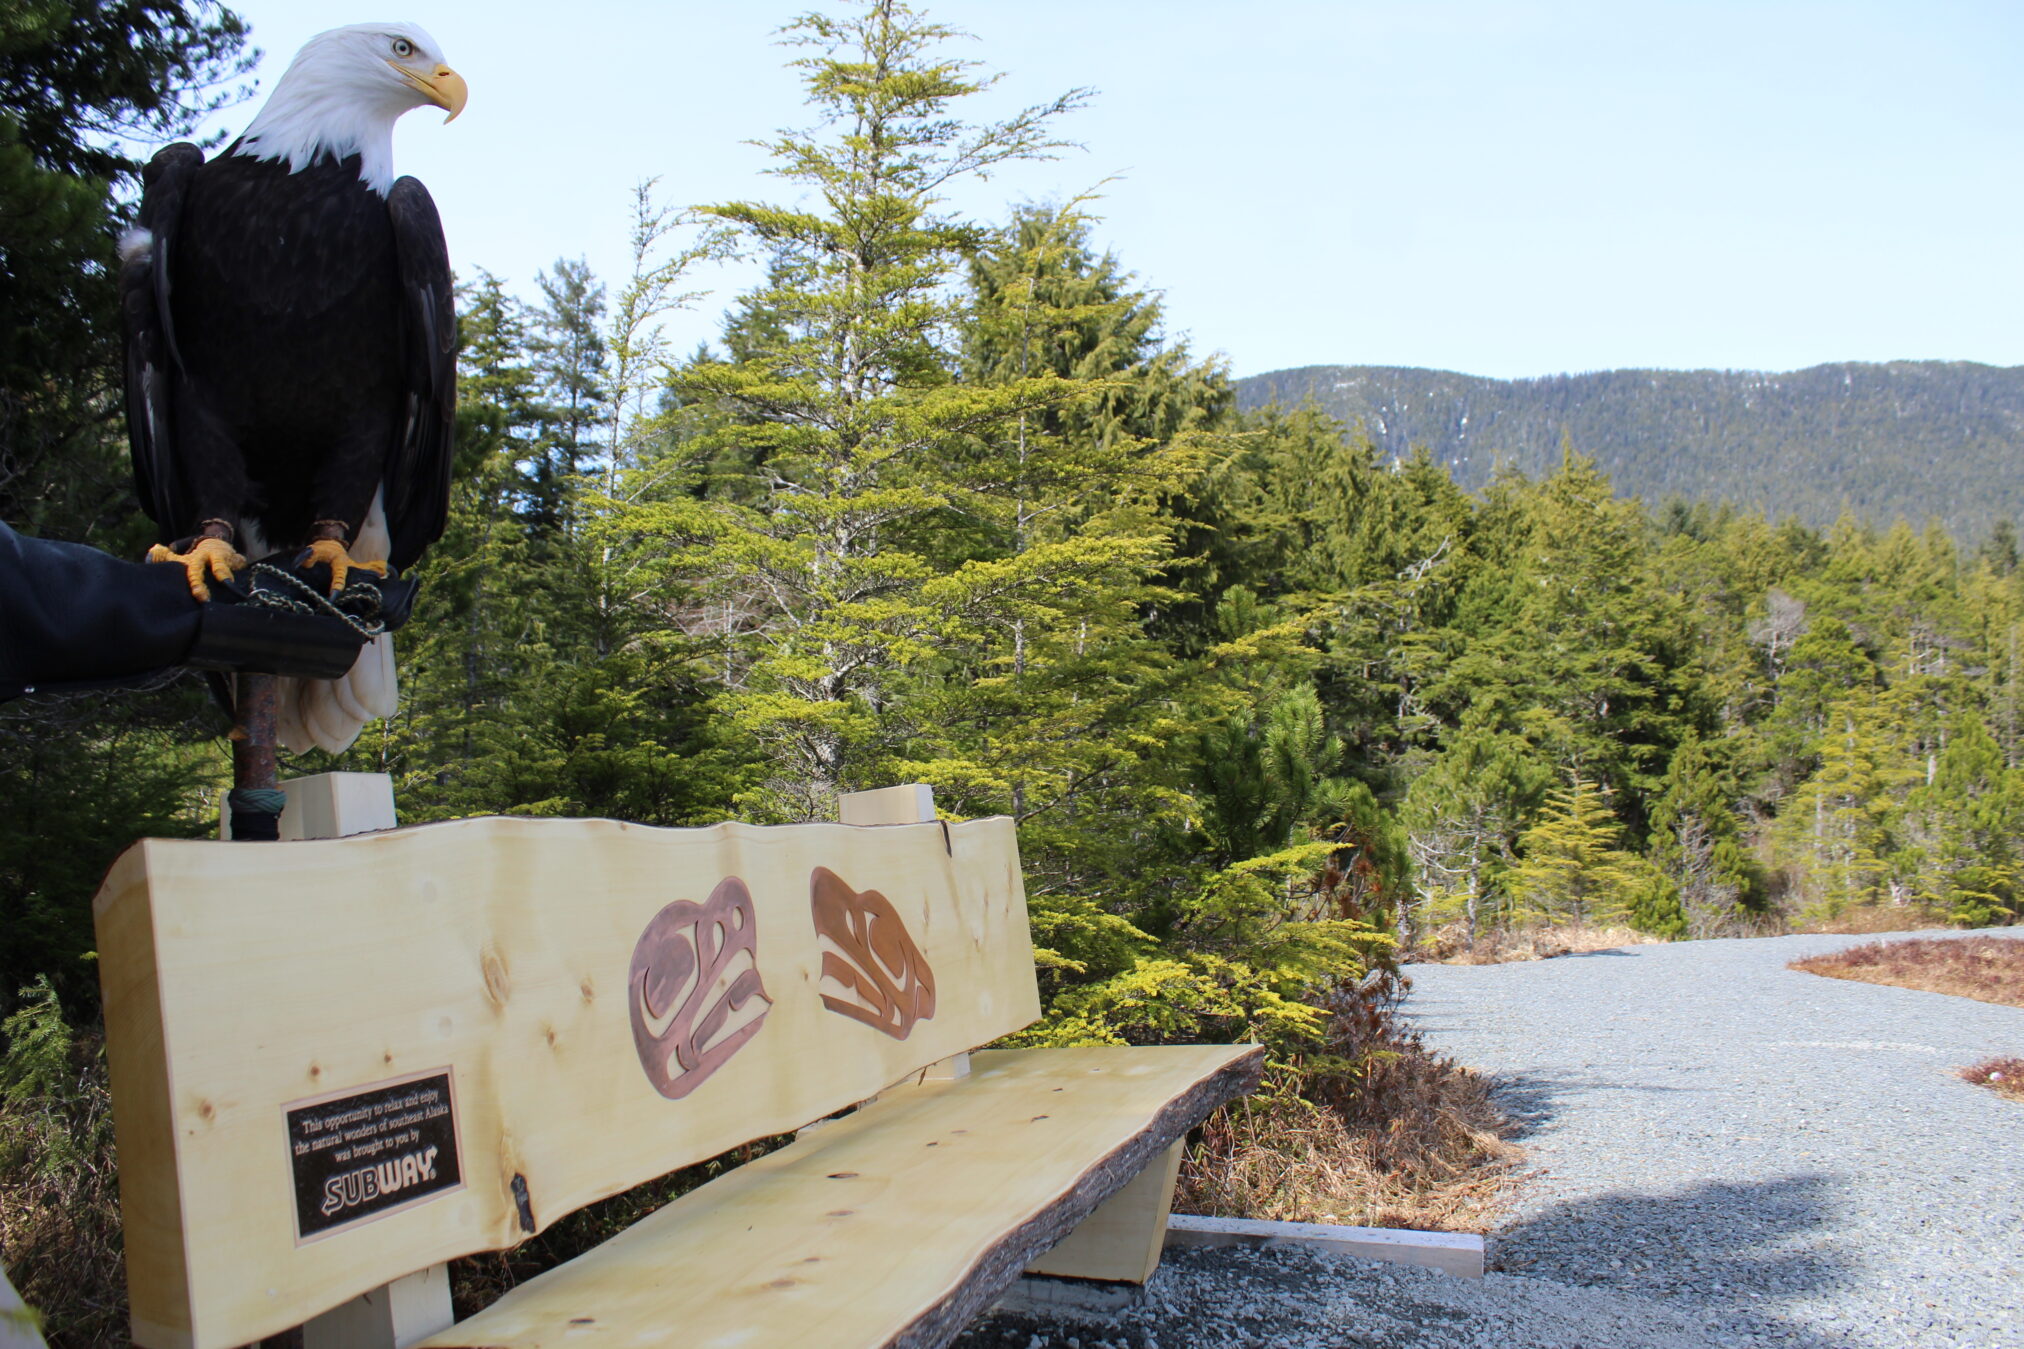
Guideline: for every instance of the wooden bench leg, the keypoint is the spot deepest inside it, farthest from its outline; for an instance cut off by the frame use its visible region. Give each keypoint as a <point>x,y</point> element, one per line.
<point>1121,1241</point>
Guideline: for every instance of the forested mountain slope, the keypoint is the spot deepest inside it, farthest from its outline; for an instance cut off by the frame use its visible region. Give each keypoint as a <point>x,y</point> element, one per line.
<point>1911,438</point>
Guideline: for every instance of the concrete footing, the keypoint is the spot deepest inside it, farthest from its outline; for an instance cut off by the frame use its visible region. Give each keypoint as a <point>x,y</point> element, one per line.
<point>1450,1252</point>
<point>1045,1295</point>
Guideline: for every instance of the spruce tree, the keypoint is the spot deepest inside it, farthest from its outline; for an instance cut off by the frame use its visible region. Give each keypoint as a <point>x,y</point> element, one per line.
<point>1572,866</point>
<point>1835,829</point>
<point>1463,816</point>
<point>1697,842</point>
<point>1067,715</point>
<point>844,401</point>
<point>568,352</point>
<point>1970,821</point>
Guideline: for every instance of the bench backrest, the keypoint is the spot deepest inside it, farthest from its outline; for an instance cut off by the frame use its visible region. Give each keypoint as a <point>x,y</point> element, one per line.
<point>337,1062</point>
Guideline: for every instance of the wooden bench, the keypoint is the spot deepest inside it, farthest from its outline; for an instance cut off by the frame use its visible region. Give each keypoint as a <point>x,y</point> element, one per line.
<point>336,1063</point>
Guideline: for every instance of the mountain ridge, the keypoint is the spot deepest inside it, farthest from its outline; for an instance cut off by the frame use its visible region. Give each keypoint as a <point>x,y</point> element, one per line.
<point>1912,439</point>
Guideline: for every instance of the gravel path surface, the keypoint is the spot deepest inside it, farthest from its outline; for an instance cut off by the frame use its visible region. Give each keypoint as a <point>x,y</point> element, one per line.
<point>1728,1153</point>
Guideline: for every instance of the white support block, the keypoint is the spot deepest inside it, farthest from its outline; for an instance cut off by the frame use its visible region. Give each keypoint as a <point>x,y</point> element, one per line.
<point>913,803</point>
<point>408,1310</point>
<point>19,1327</point>
<point>1450,1252</point>
<point>391,1316</point>
<point>954,1068</point>
<point>331,805</point>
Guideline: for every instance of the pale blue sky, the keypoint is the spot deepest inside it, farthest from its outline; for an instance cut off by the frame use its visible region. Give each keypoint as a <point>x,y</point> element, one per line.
<point>1500,187</point>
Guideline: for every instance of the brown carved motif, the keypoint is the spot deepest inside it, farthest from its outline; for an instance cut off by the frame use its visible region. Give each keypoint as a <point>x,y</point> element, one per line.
<point>694,989</point>
<point>871,969</point>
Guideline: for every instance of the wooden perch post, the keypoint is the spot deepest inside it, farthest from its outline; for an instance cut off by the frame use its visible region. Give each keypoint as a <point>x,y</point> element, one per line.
<point>255,709</point>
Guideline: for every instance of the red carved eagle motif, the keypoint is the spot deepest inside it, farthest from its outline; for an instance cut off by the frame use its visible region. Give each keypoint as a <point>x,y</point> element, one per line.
<point>878,975</point>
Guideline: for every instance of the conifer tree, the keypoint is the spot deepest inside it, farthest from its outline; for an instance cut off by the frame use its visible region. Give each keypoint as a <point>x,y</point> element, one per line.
<point>1462,816</point>
<point>464,651</point>
<point>517,695</point>
<point>1822,666</point>
<point>1836,827</point>
<point>1572,866</point>
<point>1607,646</point>
<point>1697,841</point>
<point>1267,779</point>
<point>1066,716</point>
<point>569,361</point>
<point>1969,821</point>
<point>844,400</point>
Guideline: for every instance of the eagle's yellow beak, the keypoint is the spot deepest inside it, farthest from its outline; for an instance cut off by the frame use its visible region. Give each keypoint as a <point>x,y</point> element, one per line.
<point>445,87</point>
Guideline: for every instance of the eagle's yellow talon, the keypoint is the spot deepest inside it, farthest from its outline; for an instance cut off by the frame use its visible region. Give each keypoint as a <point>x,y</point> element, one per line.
<point>213,557</point>
<point>332,554</point>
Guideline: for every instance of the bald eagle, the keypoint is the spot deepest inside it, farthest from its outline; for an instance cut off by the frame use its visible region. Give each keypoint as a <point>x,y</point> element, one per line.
<point>291,347</point>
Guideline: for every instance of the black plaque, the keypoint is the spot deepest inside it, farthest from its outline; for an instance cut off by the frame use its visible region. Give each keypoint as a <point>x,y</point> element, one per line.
<point>367,1153</point>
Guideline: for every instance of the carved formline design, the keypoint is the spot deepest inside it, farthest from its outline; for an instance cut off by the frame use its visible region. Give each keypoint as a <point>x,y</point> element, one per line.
<point>707,957</point>
<point>881,977</point>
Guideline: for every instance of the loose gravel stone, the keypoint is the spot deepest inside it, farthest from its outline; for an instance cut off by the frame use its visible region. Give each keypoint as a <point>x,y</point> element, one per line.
<point>1724,1152</point>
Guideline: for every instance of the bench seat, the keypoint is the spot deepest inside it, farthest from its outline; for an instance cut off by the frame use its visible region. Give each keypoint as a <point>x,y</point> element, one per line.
<point>895,1224</point>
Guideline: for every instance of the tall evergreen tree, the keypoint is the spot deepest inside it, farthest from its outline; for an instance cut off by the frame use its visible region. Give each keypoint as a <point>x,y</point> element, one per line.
<point>1463,815</point>
<point>569,362</point>
<point>1968,825</point>
<point>1836,827</point>
<point>1697,841</point>
<point>847,405</point>
<point>1062,715</point>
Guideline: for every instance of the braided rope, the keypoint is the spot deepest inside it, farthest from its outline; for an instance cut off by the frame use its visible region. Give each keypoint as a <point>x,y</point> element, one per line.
<point>362,596</point>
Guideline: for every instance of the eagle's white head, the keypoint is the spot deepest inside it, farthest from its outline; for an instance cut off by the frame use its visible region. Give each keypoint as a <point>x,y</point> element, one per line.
<point>344,91</point>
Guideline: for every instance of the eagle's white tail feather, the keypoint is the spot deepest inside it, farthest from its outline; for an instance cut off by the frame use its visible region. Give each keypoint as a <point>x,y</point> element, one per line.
<point>345,700</point>
<point>328,714</point>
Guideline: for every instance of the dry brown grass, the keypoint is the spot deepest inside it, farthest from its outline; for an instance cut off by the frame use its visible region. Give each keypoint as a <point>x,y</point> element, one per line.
<point>2005,1077</point>
<point>1988,969</point>
<point>1862,920</point>
<point>59,1206</point>
<point>1409,1140</point>
<point>1501,945</point>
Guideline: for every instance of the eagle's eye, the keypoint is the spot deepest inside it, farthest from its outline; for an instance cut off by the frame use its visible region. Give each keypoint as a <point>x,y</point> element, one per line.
<point>403,48</point>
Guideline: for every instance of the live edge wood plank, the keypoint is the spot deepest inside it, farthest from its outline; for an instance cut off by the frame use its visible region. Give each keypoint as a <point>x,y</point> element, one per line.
<point>895,1225</point>
<point>240,978</point>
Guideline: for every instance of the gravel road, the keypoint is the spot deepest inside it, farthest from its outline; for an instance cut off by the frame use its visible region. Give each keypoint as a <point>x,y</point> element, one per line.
<point>1725,1152</point>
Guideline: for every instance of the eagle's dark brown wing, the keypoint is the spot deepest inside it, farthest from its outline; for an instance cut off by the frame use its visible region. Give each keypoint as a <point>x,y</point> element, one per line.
<point>151,354</point>
<point>418,464</point>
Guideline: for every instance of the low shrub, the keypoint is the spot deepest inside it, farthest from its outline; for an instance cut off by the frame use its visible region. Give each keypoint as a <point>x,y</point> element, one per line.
<point>2003,1076</point>
<point>1988,969</point>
